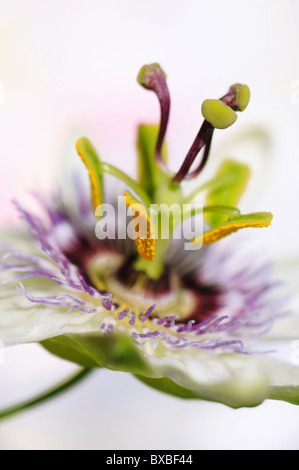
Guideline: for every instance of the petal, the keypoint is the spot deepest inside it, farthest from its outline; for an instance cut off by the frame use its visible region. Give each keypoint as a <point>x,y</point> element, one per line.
<point>235,380</point>
<point>287,327</point>
<point>22,320</point>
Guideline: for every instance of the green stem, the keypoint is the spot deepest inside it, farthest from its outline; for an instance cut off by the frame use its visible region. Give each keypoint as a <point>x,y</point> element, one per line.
<point>45,396</point>
<point>113,171</point>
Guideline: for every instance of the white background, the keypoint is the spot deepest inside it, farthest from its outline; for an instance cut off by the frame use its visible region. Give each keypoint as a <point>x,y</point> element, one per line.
<point>69,68</point>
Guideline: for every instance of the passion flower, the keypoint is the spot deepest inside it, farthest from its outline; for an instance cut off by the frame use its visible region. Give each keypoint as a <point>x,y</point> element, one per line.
<point>184,321</point>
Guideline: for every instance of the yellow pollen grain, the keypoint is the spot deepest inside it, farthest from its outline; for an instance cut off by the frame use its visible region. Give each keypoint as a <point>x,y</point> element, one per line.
<point>216,234</point>
<point>101,286</point>
<point>145,246</point>
<point>95,190</point>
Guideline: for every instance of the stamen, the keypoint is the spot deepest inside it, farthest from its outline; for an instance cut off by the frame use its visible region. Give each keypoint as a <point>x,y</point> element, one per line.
<point>153,78</point>
<point>262,219</point>
<point>145,243</point>
<point>90,159</point>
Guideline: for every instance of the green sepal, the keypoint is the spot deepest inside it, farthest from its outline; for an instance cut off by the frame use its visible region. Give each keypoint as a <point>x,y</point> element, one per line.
<point>111,352</point>
<point>168,386</point>
<point>220,393</point>
<point>235,176</point>
<point>289,394</point>
<point>150,175</point>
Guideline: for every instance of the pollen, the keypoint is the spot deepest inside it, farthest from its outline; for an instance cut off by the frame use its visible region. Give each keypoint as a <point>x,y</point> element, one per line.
<point>87,154</point>
<point>232,226</point>
<point>142,230</point>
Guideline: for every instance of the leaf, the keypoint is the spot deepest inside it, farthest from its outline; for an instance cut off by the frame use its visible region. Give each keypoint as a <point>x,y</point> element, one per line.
<point>289,394</point>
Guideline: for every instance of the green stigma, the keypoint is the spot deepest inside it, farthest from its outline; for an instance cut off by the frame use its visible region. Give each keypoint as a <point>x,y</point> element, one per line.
<point>148,73</point>
<point>218,114</point>
<point>242,96</point>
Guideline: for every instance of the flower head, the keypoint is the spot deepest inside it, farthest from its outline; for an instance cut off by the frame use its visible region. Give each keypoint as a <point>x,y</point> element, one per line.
<point>182,314</point>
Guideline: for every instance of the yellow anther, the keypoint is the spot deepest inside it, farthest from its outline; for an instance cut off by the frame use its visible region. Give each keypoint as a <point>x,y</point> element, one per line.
<point>89,157</point>
<point>143,233</point>
<point>101,286</point>
<point>231,226</point>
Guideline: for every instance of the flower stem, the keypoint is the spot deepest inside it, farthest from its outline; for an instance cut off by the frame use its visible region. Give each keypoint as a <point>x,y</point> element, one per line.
<point>45,396</point>
<point>113,171</point>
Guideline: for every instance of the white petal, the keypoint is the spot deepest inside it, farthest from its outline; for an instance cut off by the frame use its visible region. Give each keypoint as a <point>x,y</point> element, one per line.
<point>22,321</point>
<point>233,379</point>
<point>288,326</point>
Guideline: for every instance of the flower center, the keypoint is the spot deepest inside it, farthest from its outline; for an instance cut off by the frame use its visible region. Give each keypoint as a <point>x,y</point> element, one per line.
<point>133,289</point>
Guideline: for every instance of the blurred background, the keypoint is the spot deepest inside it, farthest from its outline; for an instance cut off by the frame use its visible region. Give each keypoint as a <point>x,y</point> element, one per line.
<point>69,69</point>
